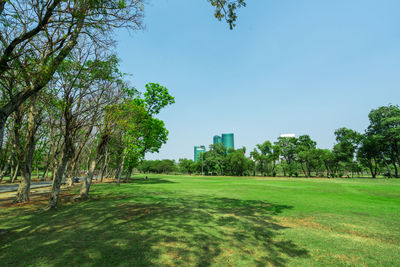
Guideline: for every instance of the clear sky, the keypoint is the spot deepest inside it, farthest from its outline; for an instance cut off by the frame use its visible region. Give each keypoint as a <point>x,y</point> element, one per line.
<point>303,67</point>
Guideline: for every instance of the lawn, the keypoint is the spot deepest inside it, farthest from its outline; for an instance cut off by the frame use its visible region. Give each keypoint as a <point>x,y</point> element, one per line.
<point>212,221</point>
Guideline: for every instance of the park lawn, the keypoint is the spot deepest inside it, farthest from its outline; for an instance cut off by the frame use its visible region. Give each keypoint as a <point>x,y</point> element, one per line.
<point>212,221</point>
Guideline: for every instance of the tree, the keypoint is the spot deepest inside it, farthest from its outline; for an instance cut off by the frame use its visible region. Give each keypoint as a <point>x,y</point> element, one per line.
<point>187,166</point>
<point>306,154</point>
<point>237,163</point>
<point>140,132</point>
<point>214,159</point>
<point>385,126</point>
<point>345,149</point>
<point>33,123</point>
<point>369,153</point>
<point>287,147</point>
<point>266,157</point>
<point>328,160</point>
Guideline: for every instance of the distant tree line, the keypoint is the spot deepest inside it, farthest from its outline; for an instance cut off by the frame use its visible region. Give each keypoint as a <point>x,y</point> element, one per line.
<point>158,166</point>
<point>374,152</point>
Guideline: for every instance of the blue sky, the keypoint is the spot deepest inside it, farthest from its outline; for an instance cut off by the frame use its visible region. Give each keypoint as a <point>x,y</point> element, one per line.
<point>303,67</point>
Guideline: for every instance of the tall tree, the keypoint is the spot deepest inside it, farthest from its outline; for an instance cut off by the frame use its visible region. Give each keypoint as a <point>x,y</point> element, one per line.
<point>34,120</point>
<point>345,149</point>
<point>385,126</point>
<point>137,129</point>
<point>266,155</point>
<point>237,163</point>
<point>369,154</point>
<point>287,147</point>
<point>306,153</point>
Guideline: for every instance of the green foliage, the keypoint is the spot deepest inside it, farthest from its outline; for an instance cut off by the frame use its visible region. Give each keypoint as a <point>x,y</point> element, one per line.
<point>156,97</point>
<point>237,163</point>
<point>266,157</point>
<point>187,166</point>
<point>157,166</point>
<point>347,143</point>
<point>214,160</point>
<point>226,9</point>
<point>133,120</point>
<point>369,153</point>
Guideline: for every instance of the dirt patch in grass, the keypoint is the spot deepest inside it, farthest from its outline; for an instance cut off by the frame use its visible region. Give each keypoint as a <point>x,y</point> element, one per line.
<point>343,259</point>
<point>301,222</point>
<point>35,200</point>
<point>347,259</point>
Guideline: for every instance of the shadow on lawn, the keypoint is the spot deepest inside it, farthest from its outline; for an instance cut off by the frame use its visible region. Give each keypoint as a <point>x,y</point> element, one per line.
<point>142,231</point>
<point>149,181</point>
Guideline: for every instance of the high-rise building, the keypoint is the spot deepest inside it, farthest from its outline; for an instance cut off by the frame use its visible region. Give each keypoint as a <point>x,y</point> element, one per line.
<point>217,139</point>
<point>228,141</point>
<point>197,152</point>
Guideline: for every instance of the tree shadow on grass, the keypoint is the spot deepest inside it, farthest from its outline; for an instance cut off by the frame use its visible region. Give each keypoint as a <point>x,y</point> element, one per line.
<point>149,181</point>
<point>139,230</point>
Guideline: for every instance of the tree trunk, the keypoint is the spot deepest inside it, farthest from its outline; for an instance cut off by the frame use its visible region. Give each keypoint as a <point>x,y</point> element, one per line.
<point>397,152</point>
<point>3,120</point>
<point>302,168</point>
<point>44,173</point>
<point>68,152</point>
<point>70,172</point>
<point>51,154</point>
<point>104,167</point>
<point>387,167</point>
<point>93,164</point>
<point>121,169</point>
<point>6,167</point>
<point>56,186</point>
<point>55,168</point>
<point>372,168</point>
<point>127,175</point>
<point>23,189</point>
<point>308,169</point>
<point>24,186</point>
<point>15,174</point>
<point>84,193</point>
<point>53,171</point>
<point>396,171</point>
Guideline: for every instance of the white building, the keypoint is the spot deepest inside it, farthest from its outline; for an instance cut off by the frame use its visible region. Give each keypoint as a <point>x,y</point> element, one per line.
<point>288,135</point>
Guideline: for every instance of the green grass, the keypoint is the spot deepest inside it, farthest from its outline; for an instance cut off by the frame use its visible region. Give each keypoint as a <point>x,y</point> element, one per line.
<point>213,221</point>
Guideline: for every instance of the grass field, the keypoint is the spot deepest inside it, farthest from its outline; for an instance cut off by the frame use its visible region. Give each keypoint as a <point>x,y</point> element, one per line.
<point>212,221</point>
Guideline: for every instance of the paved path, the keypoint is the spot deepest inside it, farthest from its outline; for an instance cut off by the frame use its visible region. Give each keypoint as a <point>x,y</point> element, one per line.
<point>14,187</point>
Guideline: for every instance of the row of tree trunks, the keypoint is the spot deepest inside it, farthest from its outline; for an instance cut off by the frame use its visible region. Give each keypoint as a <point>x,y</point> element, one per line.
<point>93,163</point>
